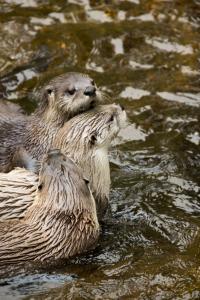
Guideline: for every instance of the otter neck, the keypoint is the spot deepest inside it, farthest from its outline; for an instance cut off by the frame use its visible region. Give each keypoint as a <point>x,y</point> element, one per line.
<point>65,202</point>
<point>40,133</point>
<point>96,167</point>
<point>54,116</point>
<point>100,170</point>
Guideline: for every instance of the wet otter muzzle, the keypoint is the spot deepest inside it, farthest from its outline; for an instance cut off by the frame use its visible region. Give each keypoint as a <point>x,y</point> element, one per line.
<point>90,91</point>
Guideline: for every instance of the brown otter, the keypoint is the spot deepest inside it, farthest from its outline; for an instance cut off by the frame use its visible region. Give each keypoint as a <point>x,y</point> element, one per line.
<point>64,97</point>
<point>60,223</point>
<point>17,192</point>
<point>9,110</point>
<point>86,139</point>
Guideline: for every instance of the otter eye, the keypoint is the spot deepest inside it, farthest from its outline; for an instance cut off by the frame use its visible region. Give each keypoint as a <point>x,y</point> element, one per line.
<point>49,91</point>
<point>93,139</point>
<point>40,186</point>
<point>86,181</point>
<point>111,118</point>
<point>71,91</point>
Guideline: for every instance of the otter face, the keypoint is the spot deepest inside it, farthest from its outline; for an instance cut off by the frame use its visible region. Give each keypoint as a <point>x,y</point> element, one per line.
<point>105,125</point>
<point>92,129</point>
<point>60,177</point>
<point>72,93</point>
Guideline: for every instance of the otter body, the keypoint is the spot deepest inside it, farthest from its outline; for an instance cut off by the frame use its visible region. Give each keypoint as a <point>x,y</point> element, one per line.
<point>60,223</point>
<point>86,139</point>
<point>64,97</point>
<point>8,110</point>
<point>17,193</point>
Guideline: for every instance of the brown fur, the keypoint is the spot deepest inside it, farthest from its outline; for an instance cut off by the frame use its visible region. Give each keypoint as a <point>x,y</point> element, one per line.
<point>8,110</point>
<point>57,105</point>
<point>61,222</point>
<point>86,139</point>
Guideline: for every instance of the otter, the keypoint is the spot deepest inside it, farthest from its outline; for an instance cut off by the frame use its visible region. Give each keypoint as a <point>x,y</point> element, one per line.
<point>85,139</point>
<point>60,223</point>
<point>17,192</point>
<point>8,110</point>
<point>62,98</point>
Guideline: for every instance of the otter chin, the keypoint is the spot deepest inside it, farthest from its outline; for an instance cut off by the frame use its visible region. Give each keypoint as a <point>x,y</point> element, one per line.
<point>86,139</point>
<point>60,223</point>
<point>61,99</point>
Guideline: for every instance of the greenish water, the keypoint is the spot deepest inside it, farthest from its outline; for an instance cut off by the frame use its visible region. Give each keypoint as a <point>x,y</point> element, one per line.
<point>145,55</point>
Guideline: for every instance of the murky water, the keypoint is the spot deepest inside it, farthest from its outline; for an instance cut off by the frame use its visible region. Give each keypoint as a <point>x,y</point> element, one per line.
<point>145,55</point>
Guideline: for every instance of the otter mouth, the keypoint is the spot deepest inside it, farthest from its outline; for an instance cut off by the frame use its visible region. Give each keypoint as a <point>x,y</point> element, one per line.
<point>91,105</point>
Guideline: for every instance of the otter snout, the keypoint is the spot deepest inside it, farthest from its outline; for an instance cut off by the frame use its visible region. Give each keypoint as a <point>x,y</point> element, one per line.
<point>90,91</point>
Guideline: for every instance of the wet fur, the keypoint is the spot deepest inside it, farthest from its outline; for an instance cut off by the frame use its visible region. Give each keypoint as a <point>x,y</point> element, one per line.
<point>37,132</point>
<point>86,139</point>
<point>60,223</point>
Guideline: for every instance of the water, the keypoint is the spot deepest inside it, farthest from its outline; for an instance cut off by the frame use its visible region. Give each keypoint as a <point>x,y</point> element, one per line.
<point>145,55</point>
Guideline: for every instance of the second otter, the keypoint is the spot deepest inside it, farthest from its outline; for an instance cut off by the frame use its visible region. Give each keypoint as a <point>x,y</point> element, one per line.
<point>64,97</point>
<point>60,223</point>
<point>86,139</point>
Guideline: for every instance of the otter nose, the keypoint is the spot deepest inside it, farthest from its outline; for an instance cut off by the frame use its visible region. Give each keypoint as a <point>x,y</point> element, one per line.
<point>90,91</point>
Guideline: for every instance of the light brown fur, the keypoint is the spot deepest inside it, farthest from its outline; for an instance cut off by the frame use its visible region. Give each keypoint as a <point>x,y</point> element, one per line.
<point>64,97</point>
<point>60,223</point>
<point>86,139</point>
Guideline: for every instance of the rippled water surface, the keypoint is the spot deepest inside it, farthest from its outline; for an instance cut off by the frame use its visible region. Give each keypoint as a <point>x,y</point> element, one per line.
<point>145,55</point>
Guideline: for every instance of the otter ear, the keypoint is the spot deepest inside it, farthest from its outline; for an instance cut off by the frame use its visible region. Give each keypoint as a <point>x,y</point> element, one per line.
<point>93,139</point>
<point>86,181</point>
<point>47,94</point>
<point>49,91</point>
<point>40,186</point>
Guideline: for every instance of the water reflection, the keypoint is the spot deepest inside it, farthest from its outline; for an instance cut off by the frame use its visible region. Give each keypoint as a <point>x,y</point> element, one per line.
<point>165,45</point>
<point>186,98</point>
<point>144,55</point>
<point>133,93</point>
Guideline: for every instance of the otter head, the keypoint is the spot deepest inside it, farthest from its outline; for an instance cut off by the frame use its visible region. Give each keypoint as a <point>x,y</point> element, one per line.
<point>62,186</point>
<point>98,127</point>
<point>93,129</point>
<point>105,125</point>
<point>69,94</point>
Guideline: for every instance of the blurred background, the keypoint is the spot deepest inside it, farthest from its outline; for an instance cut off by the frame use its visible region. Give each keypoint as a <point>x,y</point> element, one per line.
<point>144,54</point>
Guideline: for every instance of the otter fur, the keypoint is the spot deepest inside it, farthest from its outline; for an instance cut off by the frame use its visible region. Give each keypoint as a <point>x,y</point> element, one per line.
<point>86,139</point>
<point>8,110</point>
<point>60,223</point>
<point>64,97</point>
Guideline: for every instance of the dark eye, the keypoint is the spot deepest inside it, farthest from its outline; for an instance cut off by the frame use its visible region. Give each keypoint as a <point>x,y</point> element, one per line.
<point>40,186</point>
<point>71,91</point>
<point>49,91</point>
<point>93,139</point>
<point>92,82</point>
<point>86,181</point>
<point>111,118</point>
